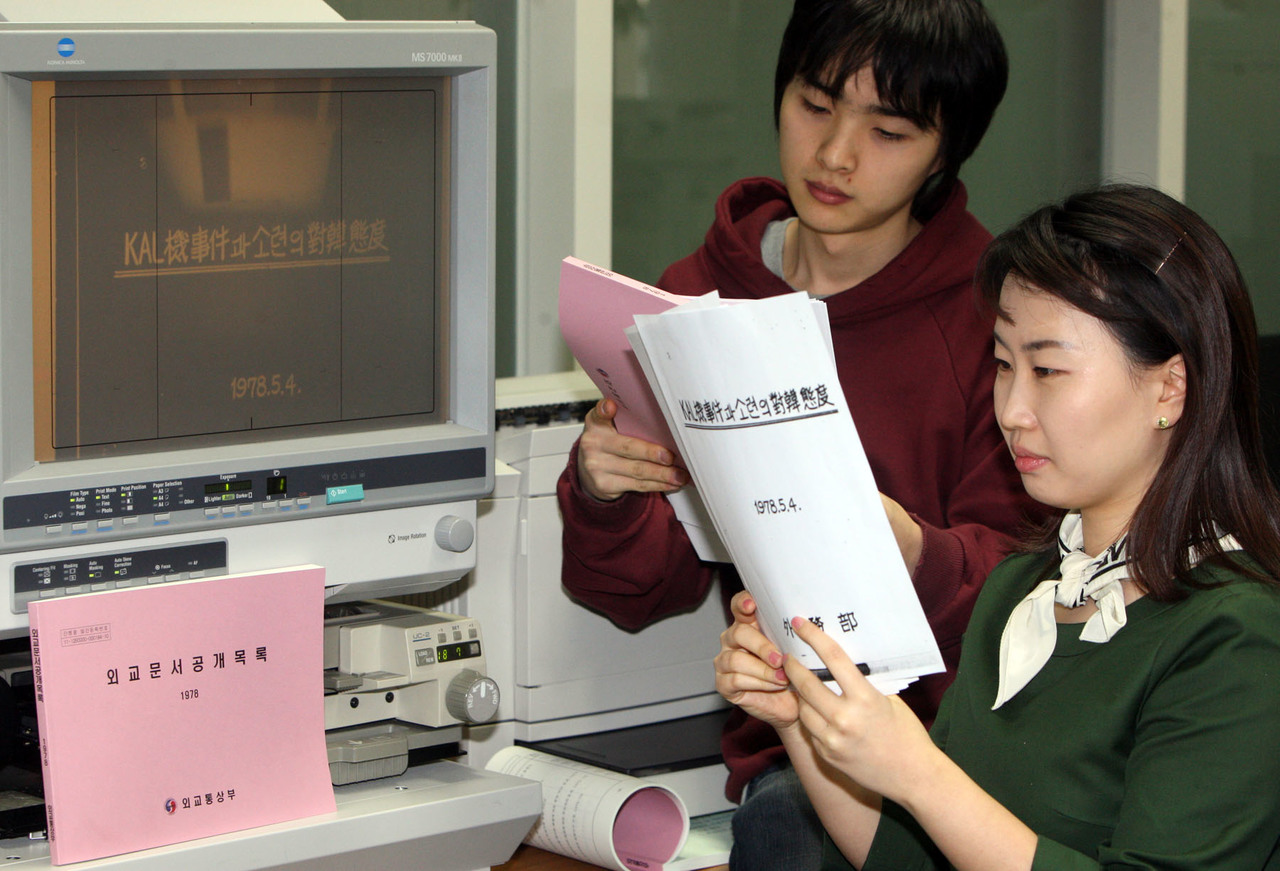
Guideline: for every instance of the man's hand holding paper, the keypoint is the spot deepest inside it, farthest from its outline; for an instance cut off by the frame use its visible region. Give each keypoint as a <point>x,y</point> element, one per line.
<point>610,463</point>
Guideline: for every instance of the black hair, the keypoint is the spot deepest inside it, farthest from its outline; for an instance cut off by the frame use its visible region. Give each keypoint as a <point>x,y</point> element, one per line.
<point>1163,283</point>
<point>941,63</point>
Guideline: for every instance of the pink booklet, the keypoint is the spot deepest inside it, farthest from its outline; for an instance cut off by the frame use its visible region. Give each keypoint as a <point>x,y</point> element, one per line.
<point>596,307</point>
<point>180,710</point>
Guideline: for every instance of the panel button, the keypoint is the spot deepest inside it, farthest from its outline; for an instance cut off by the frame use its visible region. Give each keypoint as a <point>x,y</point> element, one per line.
<point>345,493</point>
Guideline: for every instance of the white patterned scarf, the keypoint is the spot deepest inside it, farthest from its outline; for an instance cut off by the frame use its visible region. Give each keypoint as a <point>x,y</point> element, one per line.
<point>1032,629</point>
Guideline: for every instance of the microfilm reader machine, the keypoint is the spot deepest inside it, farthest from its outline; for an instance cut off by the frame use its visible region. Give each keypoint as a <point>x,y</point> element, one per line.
<point>246,322</point>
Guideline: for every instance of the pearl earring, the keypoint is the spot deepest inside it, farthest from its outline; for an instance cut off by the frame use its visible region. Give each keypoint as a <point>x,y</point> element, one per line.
<point>1162,423</point>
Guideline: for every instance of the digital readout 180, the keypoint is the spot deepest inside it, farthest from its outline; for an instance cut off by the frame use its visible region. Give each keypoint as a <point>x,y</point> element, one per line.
<point>776,506</point>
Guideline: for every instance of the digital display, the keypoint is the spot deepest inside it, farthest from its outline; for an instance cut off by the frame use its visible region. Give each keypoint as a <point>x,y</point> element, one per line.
<point>461,650</point>
<point>227,487</point>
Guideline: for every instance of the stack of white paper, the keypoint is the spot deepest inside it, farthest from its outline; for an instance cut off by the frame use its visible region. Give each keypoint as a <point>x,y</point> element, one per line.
<point>751,395</point>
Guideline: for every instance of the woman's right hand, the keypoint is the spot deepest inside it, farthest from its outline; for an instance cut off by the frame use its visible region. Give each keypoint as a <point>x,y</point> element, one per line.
<point>749,669</point>
<point>610,464</point>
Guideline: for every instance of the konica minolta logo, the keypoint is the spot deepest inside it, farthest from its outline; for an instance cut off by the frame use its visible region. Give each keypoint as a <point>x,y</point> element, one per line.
<point>66,48</point>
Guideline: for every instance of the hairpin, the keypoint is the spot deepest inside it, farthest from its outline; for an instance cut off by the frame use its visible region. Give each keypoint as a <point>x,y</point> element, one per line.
<point>1170,254</point>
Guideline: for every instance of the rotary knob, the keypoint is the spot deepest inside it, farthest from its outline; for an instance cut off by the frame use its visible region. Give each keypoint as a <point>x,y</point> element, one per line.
<point>455,534</point>
<point>472,697</point>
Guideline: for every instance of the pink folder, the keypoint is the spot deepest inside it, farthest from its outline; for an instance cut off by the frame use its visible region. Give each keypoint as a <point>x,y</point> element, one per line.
<point>180,710</point>
<point>596,307</point>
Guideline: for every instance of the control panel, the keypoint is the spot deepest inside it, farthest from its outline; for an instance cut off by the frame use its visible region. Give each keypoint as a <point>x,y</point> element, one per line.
<point>71,574</point>
<point>388,661</point>
<point>140,508</point>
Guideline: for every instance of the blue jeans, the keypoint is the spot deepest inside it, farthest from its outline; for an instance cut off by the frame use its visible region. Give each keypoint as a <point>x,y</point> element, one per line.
<point>776,828</point>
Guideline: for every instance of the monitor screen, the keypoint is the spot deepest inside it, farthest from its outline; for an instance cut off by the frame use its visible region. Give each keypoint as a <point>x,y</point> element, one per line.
<point>228,257</point>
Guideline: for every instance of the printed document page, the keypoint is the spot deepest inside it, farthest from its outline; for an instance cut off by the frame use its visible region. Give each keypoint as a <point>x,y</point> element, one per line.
<point>751,396</point>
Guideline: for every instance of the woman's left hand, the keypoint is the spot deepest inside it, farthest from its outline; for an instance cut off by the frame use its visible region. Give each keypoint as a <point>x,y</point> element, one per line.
<point>748,672</point>
<point>874,739</point>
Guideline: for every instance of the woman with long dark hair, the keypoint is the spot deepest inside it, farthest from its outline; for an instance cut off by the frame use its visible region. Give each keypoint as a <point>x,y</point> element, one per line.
<point>1118,691</point>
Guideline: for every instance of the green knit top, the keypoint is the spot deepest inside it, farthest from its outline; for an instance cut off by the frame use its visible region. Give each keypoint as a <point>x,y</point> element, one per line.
<point>1158,749</point>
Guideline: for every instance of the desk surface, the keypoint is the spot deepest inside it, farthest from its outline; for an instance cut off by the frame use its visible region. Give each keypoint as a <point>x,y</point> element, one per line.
<point>528,858</point>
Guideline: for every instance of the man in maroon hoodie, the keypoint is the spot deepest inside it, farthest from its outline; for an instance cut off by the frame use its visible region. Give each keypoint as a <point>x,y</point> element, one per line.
<point>877,104</point>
